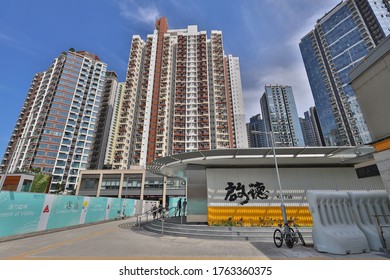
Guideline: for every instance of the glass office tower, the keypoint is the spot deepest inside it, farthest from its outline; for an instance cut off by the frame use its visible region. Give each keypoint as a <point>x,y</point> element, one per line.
<point>339,41</point>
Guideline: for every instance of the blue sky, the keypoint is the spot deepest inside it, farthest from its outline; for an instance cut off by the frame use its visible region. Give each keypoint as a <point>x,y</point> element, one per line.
<point>264,34</point>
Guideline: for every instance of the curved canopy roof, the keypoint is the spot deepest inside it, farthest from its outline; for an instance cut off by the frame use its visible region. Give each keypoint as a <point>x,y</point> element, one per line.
<point>174,165</point>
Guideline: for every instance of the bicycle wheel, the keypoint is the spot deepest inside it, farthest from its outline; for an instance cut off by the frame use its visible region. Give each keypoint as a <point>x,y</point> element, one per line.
<point>289,240</point>
<point>293,235</point>
<point>301,238</point>
<point>278,238</point>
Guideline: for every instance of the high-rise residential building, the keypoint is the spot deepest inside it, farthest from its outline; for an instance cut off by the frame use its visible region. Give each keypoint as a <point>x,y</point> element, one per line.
<point>310,128</point>
<point>235,88</point>
<point>256,132</point>
<point>113,132</point>
<point>339,41</point>
<point>281,116</point>
<point>100,144</point>
<point>181,94</point>
<point>56,125</point>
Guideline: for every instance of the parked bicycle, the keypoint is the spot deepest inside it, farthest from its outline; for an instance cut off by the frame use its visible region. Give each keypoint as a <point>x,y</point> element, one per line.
<point>288,235</point>
<point>297,235</point>
<point>284,234</point>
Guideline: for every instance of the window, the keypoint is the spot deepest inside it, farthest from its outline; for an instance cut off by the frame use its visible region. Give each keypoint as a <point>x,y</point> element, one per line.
<point>58,171</point>
<point>64,149</point>
<point>51,154</point>
<point>60,126</point>
<point>47,169</point>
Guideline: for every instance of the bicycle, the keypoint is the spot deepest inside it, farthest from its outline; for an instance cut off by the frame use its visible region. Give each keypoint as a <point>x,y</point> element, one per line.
<point>284,234</point>
<point>297,235</point>
<point>288,235</point>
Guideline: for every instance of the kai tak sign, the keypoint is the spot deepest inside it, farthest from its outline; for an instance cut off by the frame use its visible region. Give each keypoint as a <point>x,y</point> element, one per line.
<point>238,191</point>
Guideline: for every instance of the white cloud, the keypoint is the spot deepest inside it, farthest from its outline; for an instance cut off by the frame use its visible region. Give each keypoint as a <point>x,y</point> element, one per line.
<point>25,44</point>
<point>277,59</point>
<point>133,10</point>
<point>292,75</point>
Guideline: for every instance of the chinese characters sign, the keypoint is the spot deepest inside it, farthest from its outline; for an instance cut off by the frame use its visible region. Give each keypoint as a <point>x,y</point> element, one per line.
<point>238,191</point>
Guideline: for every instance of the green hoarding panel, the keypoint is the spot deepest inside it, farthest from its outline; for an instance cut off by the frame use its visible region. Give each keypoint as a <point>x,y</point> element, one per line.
<point>115,208</point>
<point>66,211</point>
<point>19,212</point>
<point>96,209</point>
<point>23,212</point>
<point>129,207</point>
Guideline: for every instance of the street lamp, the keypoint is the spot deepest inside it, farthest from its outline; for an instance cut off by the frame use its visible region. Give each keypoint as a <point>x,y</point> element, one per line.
<point>271,133</point>
<point>7,170</point>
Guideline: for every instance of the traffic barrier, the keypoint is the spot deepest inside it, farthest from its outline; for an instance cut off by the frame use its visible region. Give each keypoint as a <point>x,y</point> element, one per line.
<point>334,229</point>
<point>366,207</point>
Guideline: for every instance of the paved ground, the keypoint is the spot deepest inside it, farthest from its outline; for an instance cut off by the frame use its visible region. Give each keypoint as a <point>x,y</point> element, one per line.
<point>116,240</point>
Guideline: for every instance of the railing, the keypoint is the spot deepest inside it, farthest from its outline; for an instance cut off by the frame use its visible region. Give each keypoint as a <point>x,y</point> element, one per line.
<point>146,214</point>
<point>380,230</point>
<point>163,214</point>
<point>169,214</point>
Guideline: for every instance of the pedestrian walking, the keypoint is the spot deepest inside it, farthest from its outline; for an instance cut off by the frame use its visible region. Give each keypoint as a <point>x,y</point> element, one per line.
<point>184,206</point>
<point>178,208</point>
<point>154,211</point>
<point>160,210</point>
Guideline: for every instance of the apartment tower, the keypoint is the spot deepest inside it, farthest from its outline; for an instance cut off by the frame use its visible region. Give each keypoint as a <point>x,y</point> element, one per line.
<point>56,126</point>
<point>106,120</point>
<point>338,42</point>
<point>182,94</point>
<point>281,117</point>
<point>256,132</point>
<point>310,129</point>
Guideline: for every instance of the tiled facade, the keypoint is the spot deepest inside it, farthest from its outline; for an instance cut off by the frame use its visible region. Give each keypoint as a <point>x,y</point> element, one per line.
<point>180,96</point>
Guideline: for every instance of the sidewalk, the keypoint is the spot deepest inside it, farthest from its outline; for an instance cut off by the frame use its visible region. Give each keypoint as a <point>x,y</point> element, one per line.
<point>117,240</point>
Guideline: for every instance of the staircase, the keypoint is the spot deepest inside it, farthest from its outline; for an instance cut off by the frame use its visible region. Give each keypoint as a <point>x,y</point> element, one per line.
<point>177,227</point>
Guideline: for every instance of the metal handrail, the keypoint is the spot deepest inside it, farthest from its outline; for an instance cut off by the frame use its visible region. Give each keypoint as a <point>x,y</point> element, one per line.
<point>164,217</point>
<point>147,214</point>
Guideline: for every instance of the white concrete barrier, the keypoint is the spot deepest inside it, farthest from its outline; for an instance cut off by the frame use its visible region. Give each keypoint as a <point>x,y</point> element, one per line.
<point>334,229</point>
<point>367,204</point>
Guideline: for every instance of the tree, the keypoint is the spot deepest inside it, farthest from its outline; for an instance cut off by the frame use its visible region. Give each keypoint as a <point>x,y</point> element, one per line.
<point>35,170</point>
<point>40,183</point>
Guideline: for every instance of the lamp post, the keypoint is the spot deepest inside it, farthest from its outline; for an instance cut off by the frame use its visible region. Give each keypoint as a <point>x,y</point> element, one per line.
<point>283,207</point>
<point>7,170</point>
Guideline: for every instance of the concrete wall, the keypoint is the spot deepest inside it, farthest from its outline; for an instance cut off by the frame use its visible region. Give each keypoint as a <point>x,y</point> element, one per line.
<point>371,83</point>
<point>225,187</point>
<point>294,182</point>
